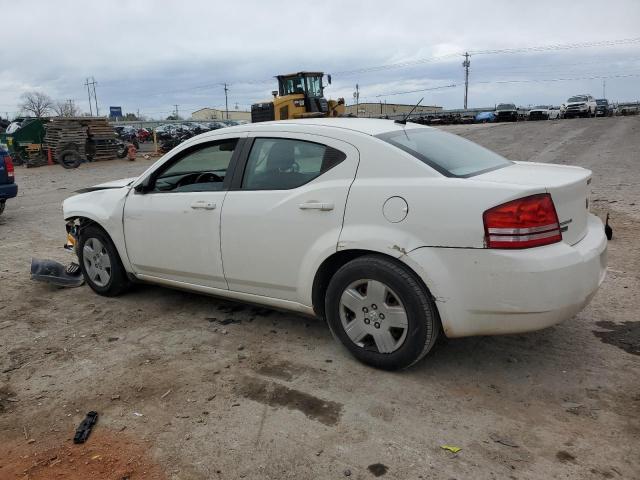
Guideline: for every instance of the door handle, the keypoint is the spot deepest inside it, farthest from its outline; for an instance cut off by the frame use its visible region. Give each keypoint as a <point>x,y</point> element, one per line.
<point>324,206</point>
<point>203,204</point>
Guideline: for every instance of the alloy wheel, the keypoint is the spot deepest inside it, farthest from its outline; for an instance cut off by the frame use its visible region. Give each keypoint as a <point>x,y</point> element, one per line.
<point>97,262</point>
<point>373,316</point>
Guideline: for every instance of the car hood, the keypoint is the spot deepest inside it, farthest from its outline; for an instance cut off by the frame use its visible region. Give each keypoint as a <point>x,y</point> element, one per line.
<point>124,182</point>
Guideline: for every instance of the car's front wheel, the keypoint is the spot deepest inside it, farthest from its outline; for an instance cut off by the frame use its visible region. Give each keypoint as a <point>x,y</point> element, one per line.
<point>100,262</point>
<point>381,312</point>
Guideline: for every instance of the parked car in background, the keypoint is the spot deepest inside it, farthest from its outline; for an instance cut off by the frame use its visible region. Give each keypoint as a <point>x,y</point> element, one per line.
<point>632,108</point>
<point>506,112</point>
<point>388,230</point>
<point>539,112</point>
<point>603,109</point>
<point>8,187</point>
<point>554,112</point>
<point>485,117</point>
<point>579,106</point>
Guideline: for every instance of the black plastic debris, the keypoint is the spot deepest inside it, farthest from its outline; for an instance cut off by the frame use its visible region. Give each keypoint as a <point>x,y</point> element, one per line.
<point>84,429</point>
<point>50,271</point>
<point>608,231</point>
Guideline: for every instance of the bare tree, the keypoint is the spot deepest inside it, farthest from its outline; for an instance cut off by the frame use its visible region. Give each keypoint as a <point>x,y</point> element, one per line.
<point>66,109</point>
<point>37,103</point>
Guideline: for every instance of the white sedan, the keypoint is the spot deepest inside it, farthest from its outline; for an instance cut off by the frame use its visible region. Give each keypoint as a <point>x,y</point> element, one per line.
<point>395,233</point>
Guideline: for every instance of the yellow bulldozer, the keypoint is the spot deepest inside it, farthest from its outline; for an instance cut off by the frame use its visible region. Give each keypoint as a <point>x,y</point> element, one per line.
<point>299,95</point>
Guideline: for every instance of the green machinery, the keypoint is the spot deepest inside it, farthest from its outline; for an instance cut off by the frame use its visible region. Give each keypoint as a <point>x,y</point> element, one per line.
<point>25,143</point>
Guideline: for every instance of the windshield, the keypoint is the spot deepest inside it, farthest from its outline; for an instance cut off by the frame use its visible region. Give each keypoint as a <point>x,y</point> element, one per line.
<point>449,154</point>
<point>601,102</point>
<point>506,106</point>
<point>579,98</point>
<point>540,107</point>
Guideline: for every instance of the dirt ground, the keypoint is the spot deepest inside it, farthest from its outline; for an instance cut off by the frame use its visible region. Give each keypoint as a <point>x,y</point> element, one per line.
<point>192,387</point>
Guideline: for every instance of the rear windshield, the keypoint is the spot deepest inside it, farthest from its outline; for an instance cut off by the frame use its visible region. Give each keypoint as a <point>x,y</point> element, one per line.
<point>449,154</point>
<point>506,106</point>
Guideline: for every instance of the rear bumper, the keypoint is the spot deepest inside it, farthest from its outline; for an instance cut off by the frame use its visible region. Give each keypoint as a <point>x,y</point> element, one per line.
<point>8,190</point>
<point>488,292</point>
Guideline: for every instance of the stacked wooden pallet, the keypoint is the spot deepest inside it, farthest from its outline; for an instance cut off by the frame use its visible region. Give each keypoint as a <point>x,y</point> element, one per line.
<point>64,133</point>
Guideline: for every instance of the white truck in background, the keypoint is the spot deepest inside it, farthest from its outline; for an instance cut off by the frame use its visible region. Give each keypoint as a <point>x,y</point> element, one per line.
<point>579,106</point>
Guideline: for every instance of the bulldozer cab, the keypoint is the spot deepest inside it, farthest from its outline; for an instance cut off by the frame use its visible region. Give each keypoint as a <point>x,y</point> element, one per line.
<point>299,95</point>
<point>307,83</point>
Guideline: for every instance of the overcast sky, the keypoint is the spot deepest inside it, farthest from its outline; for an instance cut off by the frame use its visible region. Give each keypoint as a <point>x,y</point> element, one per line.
<point>149,55</point>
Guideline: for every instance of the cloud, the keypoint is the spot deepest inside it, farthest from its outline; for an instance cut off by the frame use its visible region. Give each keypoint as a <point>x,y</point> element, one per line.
<point>150,55</point>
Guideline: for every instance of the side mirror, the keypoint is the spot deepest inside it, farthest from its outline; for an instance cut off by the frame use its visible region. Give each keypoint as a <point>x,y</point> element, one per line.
<point>329,79</point>
<point>274,93</point>
<point>146,186</point>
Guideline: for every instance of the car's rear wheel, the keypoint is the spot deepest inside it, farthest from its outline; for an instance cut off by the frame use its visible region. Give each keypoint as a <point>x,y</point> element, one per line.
<point>381,312</point>
<point>100,262</point>
<point>2,205</point>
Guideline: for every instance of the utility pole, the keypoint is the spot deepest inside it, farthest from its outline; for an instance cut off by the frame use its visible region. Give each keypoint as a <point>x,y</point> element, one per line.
<point>356,97</point>
<point>95,97</point>
<point>175,105</point>
<point>89,94</point>
<point>226,100</point>
<point>604,83</point>
<point>466,64</point>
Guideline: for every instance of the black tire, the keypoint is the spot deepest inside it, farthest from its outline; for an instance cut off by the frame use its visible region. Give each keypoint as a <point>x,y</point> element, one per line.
<point>70,158</point>
<point>2,205</point>
<point>423,322</point>
<point>118,281</point>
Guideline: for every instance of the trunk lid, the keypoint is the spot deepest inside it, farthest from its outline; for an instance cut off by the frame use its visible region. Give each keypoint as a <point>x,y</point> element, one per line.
<point>570,189</point>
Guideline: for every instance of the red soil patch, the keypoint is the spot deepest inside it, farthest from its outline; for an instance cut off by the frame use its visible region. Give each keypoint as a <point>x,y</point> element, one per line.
<point>105,456</point>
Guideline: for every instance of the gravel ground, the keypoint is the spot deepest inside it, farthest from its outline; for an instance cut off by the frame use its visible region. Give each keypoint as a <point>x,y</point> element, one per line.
<point>192,387</point>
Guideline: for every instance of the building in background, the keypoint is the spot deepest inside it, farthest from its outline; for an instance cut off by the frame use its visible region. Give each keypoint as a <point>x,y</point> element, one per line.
<point>376,110</point>
<point>215,114</point>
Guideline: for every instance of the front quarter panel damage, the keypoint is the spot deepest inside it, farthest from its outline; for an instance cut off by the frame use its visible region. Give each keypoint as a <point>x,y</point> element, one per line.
<point>105,207</point>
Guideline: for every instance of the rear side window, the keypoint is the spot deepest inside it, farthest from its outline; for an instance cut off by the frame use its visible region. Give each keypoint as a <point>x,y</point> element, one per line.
<point>283,164</point>
<point>449,154</point>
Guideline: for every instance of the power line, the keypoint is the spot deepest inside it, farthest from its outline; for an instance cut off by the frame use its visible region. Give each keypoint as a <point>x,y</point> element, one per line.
<point>559,46</point>
<point>441,87</point>
<point>541,80</point>
<point>390,66</point>
<point>539,48</point>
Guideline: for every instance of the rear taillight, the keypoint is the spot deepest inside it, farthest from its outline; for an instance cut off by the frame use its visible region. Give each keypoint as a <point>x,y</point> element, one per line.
<point>8,165</point>
<point>523,223</point>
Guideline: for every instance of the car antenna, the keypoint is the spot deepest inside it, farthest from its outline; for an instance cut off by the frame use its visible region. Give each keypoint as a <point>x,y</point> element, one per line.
<point>404,120</point>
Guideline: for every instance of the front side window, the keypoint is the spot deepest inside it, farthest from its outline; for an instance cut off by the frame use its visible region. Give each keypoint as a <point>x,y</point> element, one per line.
<point>283,164</point>
<point>199,170</point>
<point>449,154</point>
<point>293,85</point>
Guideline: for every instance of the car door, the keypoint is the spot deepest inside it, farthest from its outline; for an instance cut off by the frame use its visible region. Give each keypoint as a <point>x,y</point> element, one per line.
<point>284,211</point>
<point>172,219</point>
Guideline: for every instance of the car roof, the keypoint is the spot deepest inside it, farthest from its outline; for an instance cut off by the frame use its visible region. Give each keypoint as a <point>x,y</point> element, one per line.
<point>367,126</point>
